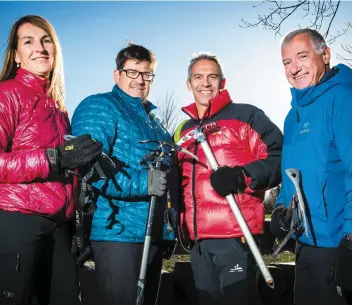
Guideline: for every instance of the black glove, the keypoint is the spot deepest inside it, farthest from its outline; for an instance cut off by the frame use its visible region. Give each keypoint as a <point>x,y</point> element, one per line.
<point>280,222</point>
<point>228,180</point>
<point>157,183</point>
<point>343,264</point>
<point>74,153</point>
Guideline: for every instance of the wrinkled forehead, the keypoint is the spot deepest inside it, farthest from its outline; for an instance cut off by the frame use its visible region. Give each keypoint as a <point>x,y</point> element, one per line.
<point>299,43</point>
<point>139,65</point>
<point>205,66</point>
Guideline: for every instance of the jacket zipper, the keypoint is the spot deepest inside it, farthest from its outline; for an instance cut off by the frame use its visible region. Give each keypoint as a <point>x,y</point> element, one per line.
<point>194,195</point>
<point>18,262</point>
<point>325,201</point>
<point>61,141</point>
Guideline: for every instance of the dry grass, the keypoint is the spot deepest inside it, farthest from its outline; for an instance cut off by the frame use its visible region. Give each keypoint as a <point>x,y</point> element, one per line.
<point>283,257</point>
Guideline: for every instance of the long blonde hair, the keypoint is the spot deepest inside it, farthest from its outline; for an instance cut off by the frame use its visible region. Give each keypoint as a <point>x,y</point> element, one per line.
<point>56,77</point>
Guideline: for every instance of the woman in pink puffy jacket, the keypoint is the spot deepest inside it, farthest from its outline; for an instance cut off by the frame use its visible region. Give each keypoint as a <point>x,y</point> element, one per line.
<point>36,202</point>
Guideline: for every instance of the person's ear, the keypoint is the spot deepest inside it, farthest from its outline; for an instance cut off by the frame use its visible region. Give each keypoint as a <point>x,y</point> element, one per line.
<point>17,58</point>
<point>223,83</point>
<point>188,84</point>
<point>116,75</point>
<point>326,55</point>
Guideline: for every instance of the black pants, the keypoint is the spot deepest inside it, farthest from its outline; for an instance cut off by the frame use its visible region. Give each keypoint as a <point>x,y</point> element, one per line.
<point>35,259</point>
<point>225,272</point>
<point>314,282</point>
<point>117,266</point>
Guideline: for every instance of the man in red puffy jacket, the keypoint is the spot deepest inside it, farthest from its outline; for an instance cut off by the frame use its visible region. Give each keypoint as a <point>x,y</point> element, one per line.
<point>247,146</point>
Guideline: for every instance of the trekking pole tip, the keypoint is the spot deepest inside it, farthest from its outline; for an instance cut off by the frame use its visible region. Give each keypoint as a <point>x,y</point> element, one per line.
<point>271,284</point>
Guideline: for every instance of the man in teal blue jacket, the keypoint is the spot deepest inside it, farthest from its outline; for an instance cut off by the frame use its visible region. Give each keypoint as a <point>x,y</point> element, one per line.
<point>317,142</point>
<point>119,120</point>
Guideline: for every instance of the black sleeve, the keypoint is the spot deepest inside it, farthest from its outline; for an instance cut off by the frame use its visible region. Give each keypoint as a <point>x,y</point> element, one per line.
<point>264,172</point>
<point>174,185</point>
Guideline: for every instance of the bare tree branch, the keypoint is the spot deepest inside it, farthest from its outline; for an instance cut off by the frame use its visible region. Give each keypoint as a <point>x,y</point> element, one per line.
<point>320,15</point>
<point>317,14</point>
<point>168,111</point>
<point>347,59</point>
<point>340,33</point>
<point>331,20</point>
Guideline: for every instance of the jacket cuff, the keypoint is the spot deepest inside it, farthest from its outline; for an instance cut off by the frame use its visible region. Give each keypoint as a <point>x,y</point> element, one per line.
<point>143,183</point>
<point>53,159</point>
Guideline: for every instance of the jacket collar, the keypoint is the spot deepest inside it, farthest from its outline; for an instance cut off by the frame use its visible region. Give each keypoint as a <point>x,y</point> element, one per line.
<point>306,96</point>
<point>215,105</point>
<point>133,101</point>
<point>32,81</point>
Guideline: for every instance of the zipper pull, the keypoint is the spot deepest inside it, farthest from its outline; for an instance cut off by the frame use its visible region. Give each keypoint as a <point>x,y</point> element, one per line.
<point>18,262</point>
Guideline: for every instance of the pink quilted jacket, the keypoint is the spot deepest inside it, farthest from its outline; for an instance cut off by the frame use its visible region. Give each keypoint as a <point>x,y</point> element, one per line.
<point>30,122</point>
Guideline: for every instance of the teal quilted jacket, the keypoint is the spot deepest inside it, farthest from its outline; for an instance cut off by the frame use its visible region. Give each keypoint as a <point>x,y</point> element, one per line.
<point>119,121</point>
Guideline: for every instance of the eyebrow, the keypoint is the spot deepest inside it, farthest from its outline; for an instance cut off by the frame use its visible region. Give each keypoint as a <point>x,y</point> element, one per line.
<point>30,37</point>
<point>138,71</point>
<point>211,74</point>
<point>303,52</point>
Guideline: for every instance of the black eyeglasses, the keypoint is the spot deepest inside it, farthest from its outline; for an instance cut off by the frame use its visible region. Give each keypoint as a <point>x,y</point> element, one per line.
<point>148,76</point>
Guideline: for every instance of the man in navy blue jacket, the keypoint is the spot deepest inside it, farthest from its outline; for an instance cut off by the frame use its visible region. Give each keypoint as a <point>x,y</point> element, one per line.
<point>317,142</point>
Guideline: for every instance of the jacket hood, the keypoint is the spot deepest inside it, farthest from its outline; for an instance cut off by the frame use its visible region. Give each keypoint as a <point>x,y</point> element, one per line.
<point>339,74</point>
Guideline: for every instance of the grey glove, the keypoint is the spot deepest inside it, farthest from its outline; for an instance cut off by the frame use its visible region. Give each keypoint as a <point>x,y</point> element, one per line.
<point>157,182</point>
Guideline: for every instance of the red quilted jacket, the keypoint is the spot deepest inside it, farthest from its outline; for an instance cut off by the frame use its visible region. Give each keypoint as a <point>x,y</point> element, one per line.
<point>239,134</point>
<point>30,122</point>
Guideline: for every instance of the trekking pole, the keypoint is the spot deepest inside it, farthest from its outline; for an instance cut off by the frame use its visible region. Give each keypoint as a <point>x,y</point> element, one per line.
<point>201,138</point>
<point>146,248</point>
<point>156,157</point>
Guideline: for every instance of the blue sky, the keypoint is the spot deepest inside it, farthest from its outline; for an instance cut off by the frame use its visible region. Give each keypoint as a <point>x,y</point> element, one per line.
<point>91,34</point>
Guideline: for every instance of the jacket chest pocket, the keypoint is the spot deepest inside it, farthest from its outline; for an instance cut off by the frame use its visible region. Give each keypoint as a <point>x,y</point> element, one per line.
<point>229,137</point>
<point>231,146</point>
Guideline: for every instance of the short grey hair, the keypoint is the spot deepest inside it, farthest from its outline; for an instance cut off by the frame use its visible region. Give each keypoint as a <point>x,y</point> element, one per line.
<point>204,56</point>
<point>317,40</point>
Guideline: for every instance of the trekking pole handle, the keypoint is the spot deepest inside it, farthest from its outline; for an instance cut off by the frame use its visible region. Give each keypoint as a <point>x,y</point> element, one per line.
<point>201,138</point>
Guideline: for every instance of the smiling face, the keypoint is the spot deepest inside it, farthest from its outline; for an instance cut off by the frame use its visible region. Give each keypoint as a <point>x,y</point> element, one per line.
<point>35,50</point>
<point>134,87</point>
<point>303,66</point>
<point>205,83</point>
